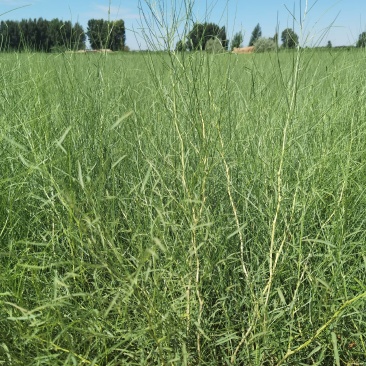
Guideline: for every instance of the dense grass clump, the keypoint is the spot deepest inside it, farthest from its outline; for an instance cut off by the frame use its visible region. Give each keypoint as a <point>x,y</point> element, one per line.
<point>190,209</point>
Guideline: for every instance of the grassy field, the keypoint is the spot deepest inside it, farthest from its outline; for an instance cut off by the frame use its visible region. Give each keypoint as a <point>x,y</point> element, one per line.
<point>183,210</point>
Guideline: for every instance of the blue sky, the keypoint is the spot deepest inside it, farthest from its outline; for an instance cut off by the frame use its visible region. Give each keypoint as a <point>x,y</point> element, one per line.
<point>340,21</point>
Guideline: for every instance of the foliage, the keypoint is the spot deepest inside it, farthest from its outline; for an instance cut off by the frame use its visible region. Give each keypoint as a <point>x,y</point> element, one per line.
<point>237,40</point>
<point>361,42</point>
<point>162,209</point>
<point>10,35</point>
<point>199,35</point>
<point>256,34</point>
<point>41,35</point>
<point>214,45</point>
<point>264,45</point>
<point>106,34</point>
<point>289,38</point>
<point>181,46</point>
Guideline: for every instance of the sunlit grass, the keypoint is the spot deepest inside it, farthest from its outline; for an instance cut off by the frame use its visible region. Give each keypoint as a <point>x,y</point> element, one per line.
<point>182,210</point>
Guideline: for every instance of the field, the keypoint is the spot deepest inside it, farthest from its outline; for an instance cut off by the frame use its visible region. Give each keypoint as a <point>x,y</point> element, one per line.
<point>188,209</point>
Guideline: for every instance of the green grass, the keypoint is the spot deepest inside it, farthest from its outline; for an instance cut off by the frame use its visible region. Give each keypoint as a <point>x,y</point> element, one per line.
<point>183,210</point>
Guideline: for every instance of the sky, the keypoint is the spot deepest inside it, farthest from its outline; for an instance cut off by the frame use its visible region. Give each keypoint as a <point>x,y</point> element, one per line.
<point>315,21</point>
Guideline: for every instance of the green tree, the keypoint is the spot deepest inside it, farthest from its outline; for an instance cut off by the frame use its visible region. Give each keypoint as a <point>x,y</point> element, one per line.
<point>237,40</point>
<point>78,37</point>
<point>10,35</point>
<point>28,33</point>
<point>361,40</point>
<point>106,34</point>
<point>65,33</point>
<point>117,35</point>
<point>199,35</point>
<point>3,36</point>
<point>41,35</point>
<point>97,32</point>
<point>289,38</point>
<point>181,46</point>
<point>54,39</point>
<point>256,34</point>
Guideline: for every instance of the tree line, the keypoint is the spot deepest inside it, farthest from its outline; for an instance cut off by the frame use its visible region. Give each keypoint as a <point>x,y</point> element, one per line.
<point>57,35</point>
<point>211,37</point>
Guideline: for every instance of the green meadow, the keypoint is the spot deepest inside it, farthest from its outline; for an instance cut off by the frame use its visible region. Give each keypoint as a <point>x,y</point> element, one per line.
<point>183,209</point>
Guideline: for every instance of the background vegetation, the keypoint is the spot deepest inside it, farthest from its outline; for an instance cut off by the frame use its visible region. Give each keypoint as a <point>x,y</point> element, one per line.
<point>200,35</point>
<point>237,40</point>
<point>256,34</point>
<point>106,34</point>
<point>41,35</point>
<point>189,209</point>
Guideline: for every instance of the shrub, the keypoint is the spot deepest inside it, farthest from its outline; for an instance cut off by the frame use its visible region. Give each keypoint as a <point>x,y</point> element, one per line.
<point>264,45</point>
<point>214,45</point>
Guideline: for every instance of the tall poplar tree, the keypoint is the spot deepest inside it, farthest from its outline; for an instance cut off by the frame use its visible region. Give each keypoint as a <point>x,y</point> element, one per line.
<point>256,34</point>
